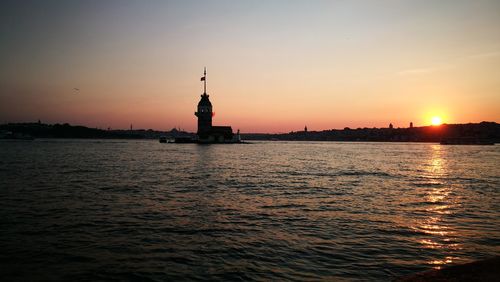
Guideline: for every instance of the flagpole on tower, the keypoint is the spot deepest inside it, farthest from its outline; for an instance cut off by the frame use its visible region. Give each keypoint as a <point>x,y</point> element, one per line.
<point>205,80</point>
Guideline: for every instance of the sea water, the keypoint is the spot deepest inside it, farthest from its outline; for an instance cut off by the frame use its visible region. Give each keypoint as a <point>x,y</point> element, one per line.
<point>142,210</point>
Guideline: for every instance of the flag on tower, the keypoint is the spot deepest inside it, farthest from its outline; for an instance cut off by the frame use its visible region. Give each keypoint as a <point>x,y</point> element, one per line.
<point>202,79</point>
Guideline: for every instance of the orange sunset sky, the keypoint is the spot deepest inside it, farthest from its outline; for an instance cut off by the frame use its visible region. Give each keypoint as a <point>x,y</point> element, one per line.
<point>272,66</point>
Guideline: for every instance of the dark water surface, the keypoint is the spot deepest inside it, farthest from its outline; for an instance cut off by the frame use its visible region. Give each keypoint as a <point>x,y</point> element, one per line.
<point>141,210</point>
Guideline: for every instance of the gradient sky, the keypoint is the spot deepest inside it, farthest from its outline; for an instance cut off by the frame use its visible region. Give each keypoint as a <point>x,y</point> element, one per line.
<point>273,66</point>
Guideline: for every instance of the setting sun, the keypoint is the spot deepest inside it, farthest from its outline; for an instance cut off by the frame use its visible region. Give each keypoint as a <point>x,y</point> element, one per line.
<point>436,121</point>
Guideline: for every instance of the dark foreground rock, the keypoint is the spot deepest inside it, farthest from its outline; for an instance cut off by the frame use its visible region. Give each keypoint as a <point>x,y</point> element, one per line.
<point>483,270</point>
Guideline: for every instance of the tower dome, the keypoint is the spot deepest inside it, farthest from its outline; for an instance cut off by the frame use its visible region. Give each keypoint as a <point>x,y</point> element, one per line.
<point>204,101</point>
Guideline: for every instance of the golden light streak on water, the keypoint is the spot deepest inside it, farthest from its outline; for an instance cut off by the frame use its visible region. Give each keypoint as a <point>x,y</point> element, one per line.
<point>441,201</point>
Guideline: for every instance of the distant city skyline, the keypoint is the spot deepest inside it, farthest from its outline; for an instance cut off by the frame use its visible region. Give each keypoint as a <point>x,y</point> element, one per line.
<point>272,66</point>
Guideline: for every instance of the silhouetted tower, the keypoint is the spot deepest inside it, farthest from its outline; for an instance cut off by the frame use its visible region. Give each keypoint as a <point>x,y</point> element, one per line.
<point>204,112</point>
<point>391,126</point>
<point>305,128</point>
<point>411,124</point>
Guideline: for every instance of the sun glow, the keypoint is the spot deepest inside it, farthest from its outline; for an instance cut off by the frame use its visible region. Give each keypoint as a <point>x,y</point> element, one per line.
<point>436,121</point>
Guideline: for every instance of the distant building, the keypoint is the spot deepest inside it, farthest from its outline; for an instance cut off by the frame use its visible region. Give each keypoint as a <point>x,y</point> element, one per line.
<point>411,124</point>
<point>305,128</point>
<point>207,133</point>
<point>391,126</point>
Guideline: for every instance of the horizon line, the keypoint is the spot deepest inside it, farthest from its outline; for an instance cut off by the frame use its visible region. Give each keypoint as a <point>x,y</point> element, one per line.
<point>292,131</point>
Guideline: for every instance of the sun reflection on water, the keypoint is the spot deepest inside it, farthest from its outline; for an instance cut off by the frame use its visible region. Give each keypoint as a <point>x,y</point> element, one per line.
<point>439,204</point>
<point>438,264</point>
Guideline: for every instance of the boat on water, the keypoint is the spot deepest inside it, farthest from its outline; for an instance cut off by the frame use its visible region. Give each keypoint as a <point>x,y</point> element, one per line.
<point>163,139</point>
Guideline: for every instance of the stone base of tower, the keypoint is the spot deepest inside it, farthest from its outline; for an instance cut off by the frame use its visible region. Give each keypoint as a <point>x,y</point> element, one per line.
<point>217,134</point>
